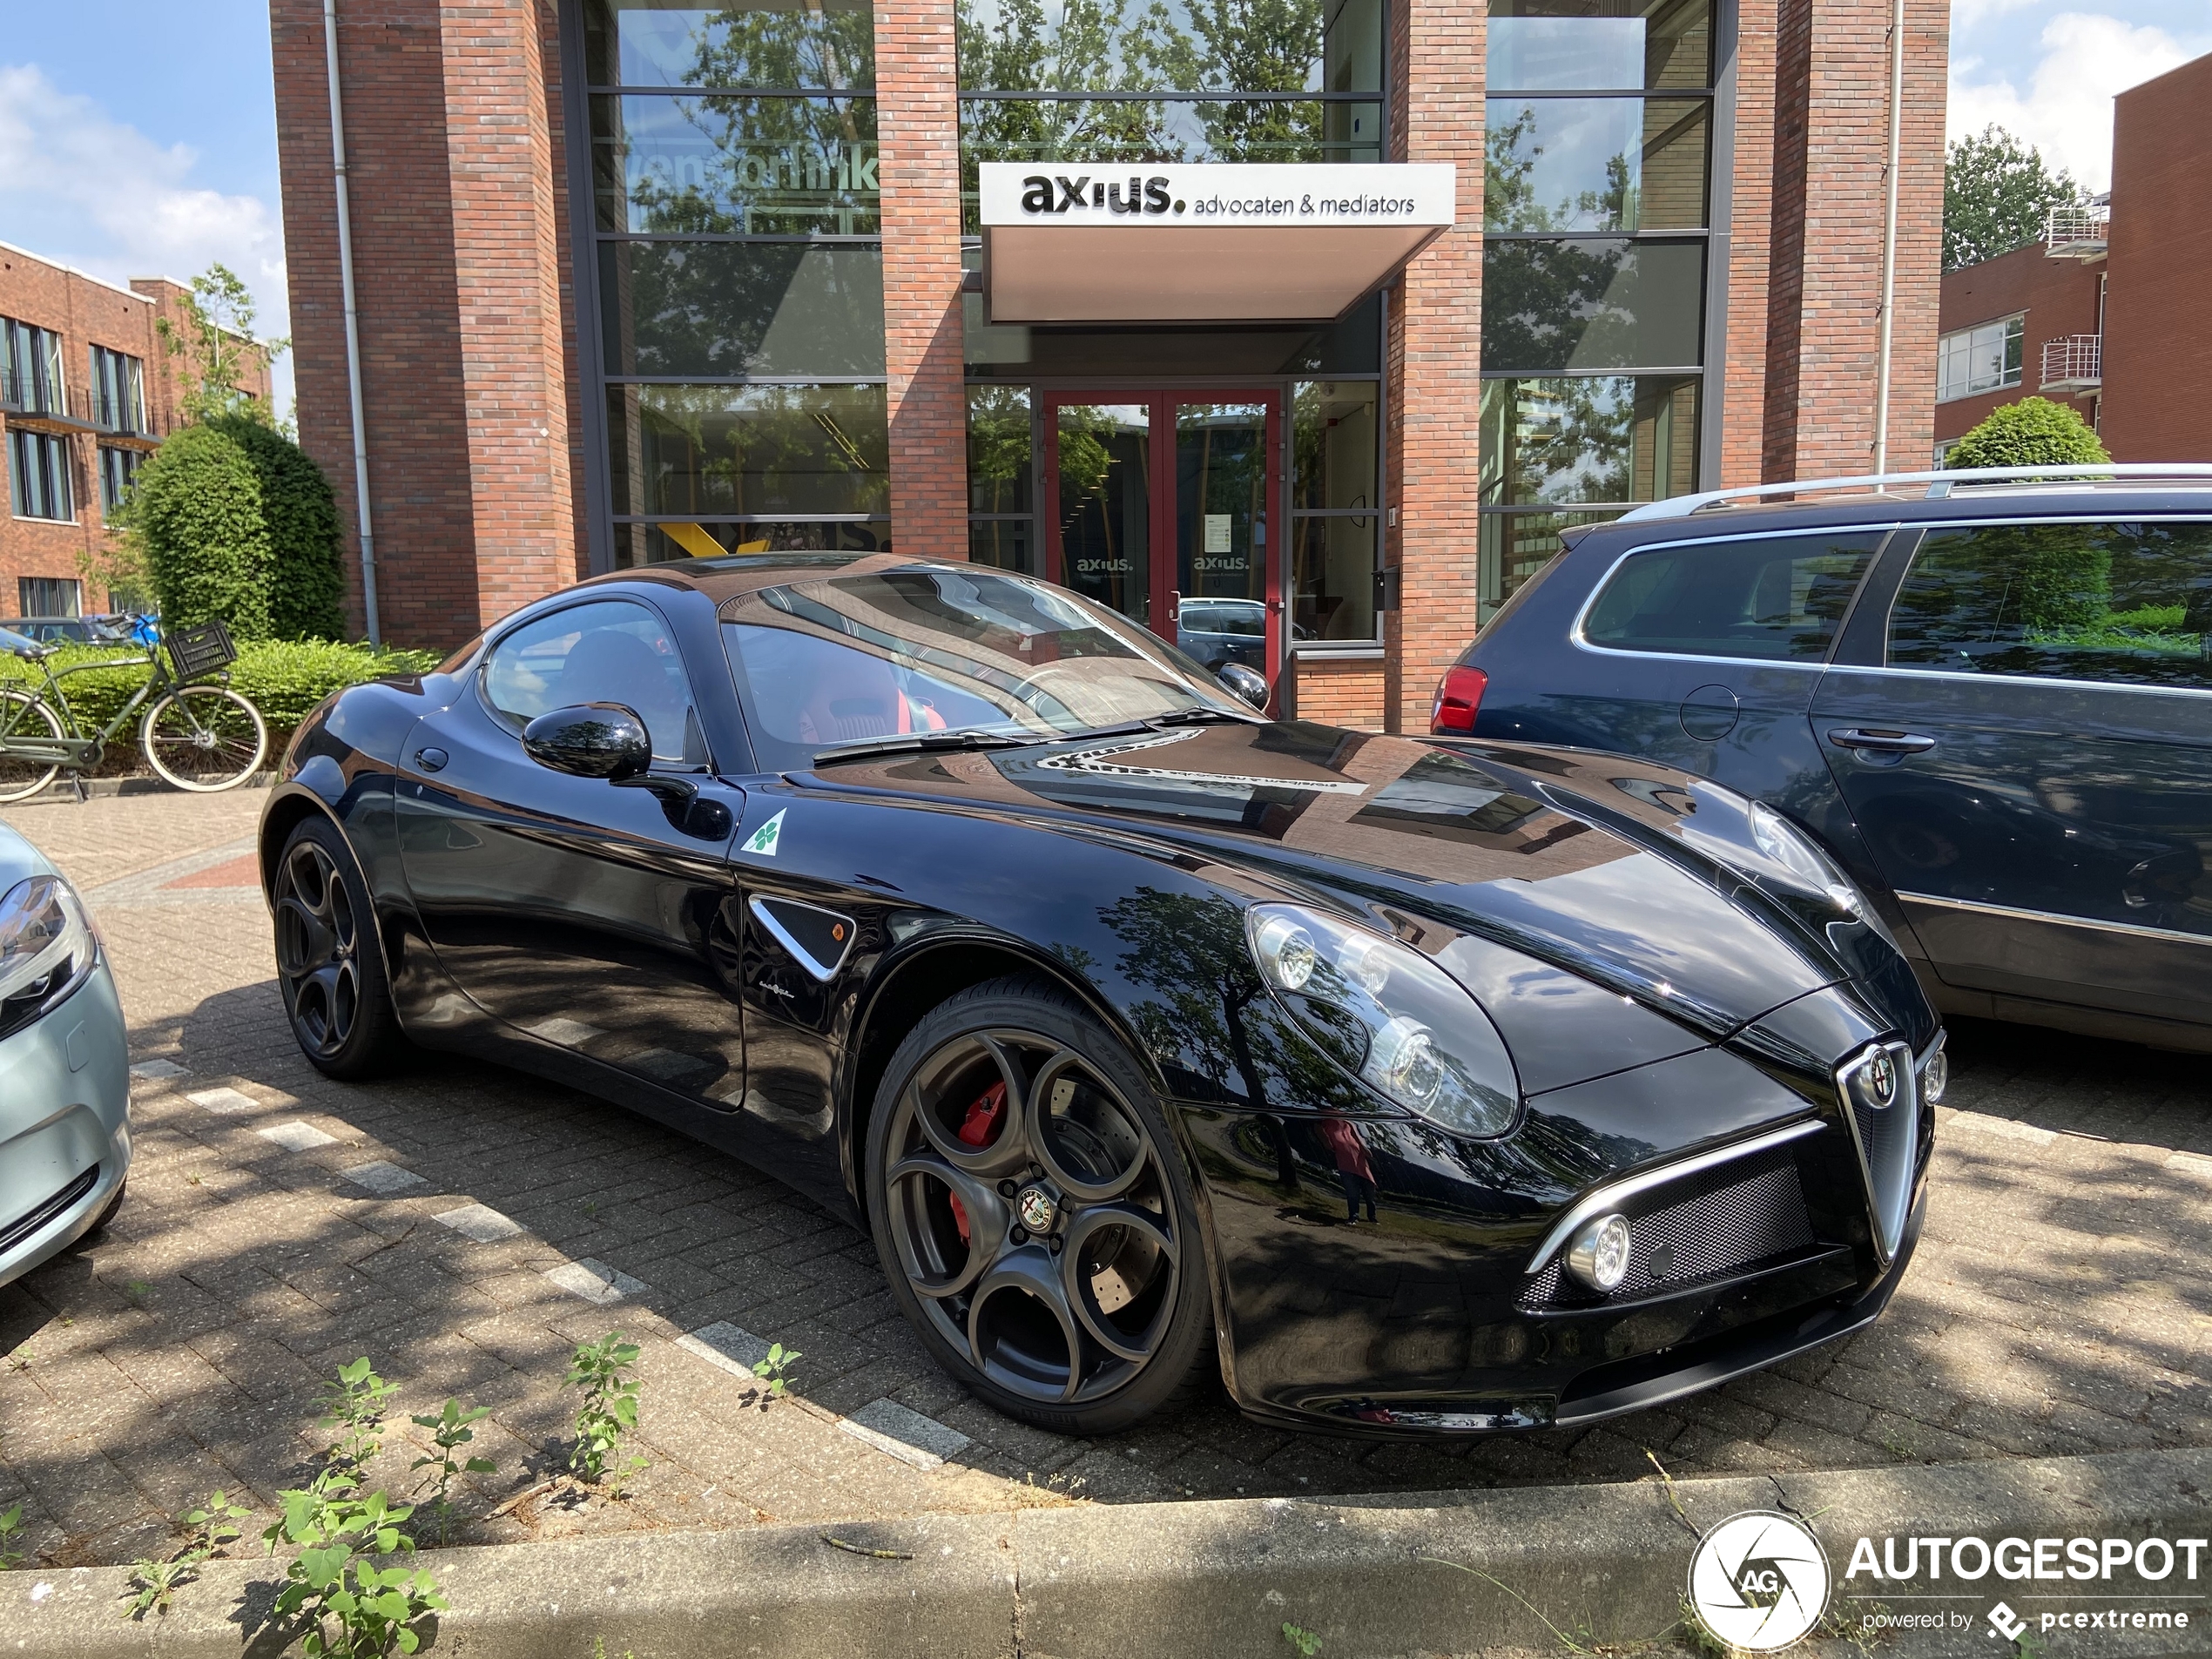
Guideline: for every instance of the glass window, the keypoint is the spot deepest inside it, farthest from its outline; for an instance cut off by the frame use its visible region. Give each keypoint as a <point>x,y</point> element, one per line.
<point>652,43</point>
<point>1588,438</point>
<point>1595,164</point>
<point>754,166</point>
<point>30,369</point>
<point>1982,359</point>
<point>848,658</point>
<point>740,308</point>
<point>1592,303</point>
<point>998,449</point>
<point>1774,598</point>
<point>1333,434</point>
<point>1006,544</point>
<point>1332,576</point>
<point>38,476</point>
<point>1334,523</point>
<point>119,391</point>
<point>636,543</point>
<point>1183,45</point>
<point>2128,603</point>
<point>119,471</point>
<point>1602,45</point>
<point>738,451</point>
<point>1515,546</point>
<point>49,595</point>
<point>610,652</point>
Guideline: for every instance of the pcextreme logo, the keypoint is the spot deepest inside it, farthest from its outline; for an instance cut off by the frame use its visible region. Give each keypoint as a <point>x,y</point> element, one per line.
<point>1759,1581</point>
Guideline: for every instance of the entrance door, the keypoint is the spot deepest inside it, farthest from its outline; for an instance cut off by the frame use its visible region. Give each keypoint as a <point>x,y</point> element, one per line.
<point>1158,506</point>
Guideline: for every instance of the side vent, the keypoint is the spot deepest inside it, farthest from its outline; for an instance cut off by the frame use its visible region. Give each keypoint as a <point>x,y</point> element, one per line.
<point>818,940</point>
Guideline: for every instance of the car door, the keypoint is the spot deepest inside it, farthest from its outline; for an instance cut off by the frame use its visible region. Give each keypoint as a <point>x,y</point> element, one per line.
<point>2024,732</point>
<point>599,918</point>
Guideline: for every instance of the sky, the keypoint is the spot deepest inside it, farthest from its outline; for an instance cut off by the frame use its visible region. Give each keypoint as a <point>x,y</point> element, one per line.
<point>137,138</point>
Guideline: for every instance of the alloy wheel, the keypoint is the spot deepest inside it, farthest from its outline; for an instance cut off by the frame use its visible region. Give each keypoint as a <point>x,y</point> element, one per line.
<point>318,944</point>
<point>1030,1211</point>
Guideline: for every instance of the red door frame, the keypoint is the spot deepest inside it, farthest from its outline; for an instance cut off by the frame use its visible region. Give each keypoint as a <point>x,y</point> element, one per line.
<point>1162,401</point>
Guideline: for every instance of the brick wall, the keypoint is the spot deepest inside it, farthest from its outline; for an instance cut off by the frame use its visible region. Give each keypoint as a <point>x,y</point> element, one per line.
<point>1830,159</point>
<point>1335,692</point>
<point>2059,297</point>
<point>2158,335</point>
<point>1742,355</point>
<point>916,77</point>
<point>1434,364</point>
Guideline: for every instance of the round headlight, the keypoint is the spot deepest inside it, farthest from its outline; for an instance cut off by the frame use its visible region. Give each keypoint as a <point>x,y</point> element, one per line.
<point>1285,953</point>
<point>1599,1256</point>
<point>1935,1076</point>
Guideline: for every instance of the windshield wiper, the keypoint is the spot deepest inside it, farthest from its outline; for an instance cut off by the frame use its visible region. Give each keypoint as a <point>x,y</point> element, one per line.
<point>1205,716</point>
<point>918,742</point>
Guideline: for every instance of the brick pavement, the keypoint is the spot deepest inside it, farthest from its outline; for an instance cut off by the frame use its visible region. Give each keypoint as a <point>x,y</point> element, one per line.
<point>2060,1301</point>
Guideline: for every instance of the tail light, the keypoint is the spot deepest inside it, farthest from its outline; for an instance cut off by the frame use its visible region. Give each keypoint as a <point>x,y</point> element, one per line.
<point>1459,699</point>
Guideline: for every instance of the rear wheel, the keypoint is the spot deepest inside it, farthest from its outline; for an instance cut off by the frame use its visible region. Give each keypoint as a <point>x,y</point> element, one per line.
<point>329,968</point>
<point>1031,1213</point>
<point>204,738</point>
<point>27,717</point>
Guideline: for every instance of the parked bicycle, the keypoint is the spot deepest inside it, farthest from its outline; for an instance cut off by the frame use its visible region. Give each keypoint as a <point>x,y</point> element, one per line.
<point>197,735</point>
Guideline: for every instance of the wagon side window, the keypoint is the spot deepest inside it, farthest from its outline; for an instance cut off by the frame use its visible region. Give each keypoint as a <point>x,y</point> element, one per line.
<point>1778,598</point>
<point>611,651</point>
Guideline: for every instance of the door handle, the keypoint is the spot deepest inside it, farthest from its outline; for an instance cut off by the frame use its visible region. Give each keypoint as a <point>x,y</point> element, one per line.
<point>1175,607</point>
<point>430,759</point>
<point>1882,743</point>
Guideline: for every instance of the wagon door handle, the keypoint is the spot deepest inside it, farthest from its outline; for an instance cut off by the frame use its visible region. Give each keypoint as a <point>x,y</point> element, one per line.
<point>1884,742</point>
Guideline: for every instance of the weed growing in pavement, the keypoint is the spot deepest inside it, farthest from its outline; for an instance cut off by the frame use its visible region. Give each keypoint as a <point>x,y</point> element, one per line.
<point>21,1358</point>
<point>208,1526</point>
<point>10,1531</point>
<point>138,1291</point>
<point>1303,1642</point>
<point>353,1404</point>
<point>450,1431</point>
<point>775,1369</point>
<point>608,1412</point>
<point>352,1608</point>
<point>599,1649</point>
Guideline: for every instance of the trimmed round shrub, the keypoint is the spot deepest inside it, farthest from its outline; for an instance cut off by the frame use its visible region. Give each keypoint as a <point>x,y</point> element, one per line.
<point>197,509</point>
<point>306,574</point>
<point>2033,432</point>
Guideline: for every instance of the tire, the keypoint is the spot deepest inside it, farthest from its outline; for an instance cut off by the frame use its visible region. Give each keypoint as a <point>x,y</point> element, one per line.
<point>330,965</point>
<point>1075,1189</point>
<point>22,715</point>
<point>204,738</point>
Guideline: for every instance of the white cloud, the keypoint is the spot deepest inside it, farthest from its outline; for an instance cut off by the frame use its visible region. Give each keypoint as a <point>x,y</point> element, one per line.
<point>2067,111</point>
<point>79,186</point>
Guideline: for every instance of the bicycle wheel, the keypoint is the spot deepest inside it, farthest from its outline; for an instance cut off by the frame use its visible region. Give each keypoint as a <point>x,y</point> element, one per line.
<point>203,738</point>
<point>23,715</point>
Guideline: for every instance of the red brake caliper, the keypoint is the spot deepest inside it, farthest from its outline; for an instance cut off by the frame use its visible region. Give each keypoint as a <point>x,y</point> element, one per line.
<point>978,1129</point>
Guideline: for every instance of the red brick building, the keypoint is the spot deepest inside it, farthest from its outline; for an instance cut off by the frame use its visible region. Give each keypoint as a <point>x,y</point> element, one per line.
<point>636,281</point>
<point>88,388</point>
<point>2110,312</point>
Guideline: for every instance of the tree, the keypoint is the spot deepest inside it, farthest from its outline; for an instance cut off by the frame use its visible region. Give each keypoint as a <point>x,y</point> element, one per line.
<point>197,513</point>
<point>2033,432</point>
<point>1997,195</point>
<point>216,338</point>
<point>306,594</point>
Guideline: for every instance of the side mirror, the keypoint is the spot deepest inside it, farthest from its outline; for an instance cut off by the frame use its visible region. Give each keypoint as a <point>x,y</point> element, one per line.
<point>590,740</point>
<point>1246,682</point>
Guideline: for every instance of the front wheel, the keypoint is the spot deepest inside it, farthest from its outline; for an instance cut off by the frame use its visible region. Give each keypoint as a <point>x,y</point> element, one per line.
<point>1036,1221</point>
<point>26,718</point>
<point>204,738</point>
<point>329,969</point>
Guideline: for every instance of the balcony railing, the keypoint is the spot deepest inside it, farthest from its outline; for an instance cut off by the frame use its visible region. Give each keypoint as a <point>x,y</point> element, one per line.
<point>2074,362</point>
<point>2078,231</point>
<point>122,416</point>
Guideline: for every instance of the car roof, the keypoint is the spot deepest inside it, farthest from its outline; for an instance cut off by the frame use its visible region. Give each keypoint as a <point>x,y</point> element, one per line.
<point>729,579</point>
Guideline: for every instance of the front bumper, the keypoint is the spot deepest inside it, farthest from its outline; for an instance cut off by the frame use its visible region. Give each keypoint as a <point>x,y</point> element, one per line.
<point>64,1124</point>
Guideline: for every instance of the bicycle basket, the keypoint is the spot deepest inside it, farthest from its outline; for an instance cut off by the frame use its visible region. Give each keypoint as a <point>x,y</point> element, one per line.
<point>195,652</point>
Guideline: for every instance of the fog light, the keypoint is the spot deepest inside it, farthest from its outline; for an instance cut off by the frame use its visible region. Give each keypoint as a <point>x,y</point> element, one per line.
<point>1599,1256</point>
<point>1935,1076</point>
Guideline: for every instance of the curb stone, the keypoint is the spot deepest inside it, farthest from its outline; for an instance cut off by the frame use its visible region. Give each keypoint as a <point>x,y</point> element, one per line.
<point>1370,1576</point>
<point>100,788</point>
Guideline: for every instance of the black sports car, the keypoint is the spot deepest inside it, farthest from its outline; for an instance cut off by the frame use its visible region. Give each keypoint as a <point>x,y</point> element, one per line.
<point>1420,1086</point>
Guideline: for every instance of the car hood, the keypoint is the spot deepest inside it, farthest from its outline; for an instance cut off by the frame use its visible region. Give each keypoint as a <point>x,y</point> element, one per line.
<point>1610,868</point>
<point>19,858</point>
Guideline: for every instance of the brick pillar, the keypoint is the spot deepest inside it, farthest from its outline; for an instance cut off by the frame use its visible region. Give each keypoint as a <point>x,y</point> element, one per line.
<point>1434,364</point>
<point>1829,160</point>
<point>502,162</point>
<point>1742,359</point>
<point>917,123</point>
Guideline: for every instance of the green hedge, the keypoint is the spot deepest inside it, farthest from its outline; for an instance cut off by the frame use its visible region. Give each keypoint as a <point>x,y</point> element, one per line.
<point>282,679</point>
<point>2035,432</point>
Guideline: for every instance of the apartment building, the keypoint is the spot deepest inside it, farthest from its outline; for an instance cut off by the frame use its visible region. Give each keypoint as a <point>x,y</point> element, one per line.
<point>2102,313</point>
<point>88,389</point>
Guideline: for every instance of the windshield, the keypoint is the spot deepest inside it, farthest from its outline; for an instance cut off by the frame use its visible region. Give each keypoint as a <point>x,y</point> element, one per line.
<point>847,659</point>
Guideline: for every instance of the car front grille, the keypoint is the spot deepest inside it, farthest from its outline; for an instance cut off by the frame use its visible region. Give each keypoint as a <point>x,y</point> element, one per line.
<point>22,1228</point>
<point>1888,1136</point>
<point>1756,1214</point>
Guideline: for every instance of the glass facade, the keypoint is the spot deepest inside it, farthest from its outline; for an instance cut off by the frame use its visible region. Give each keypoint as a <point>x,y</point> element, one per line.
<point>734,202</point>
<point>1597,201</point>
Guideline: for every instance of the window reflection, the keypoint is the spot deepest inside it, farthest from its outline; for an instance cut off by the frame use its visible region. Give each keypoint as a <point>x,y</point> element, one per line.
<point>732,308</point>
<point>1590,303</point>
<point>1590,438</point>
<point>648,43</point>
<point>1181,46</point>
<point>1601,164</point>
<point>1570,46</point>
<point>731,450</point>
<point>756,166</point>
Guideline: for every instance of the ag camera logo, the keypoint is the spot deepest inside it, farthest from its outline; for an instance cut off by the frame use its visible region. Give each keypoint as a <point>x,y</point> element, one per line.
<point>1759,1581</point>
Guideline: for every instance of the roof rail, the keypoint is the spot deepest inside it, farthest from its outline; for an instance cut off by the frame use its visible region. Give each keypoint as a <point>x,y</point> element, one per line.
<point>1940,484</point>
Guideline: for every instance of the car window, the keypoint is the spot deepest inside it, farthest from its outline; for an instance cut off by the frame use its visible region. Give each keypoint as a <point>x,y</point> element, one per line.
<point>610,650</point>
<point>2126,603</point>
<point>1213,617</point>
<point>1775,599</point>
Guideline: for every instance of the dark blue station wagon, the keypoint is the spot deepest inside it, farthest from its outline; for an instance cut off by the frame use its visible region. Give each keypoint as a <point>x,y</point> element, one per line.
<point>1995,704</point>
